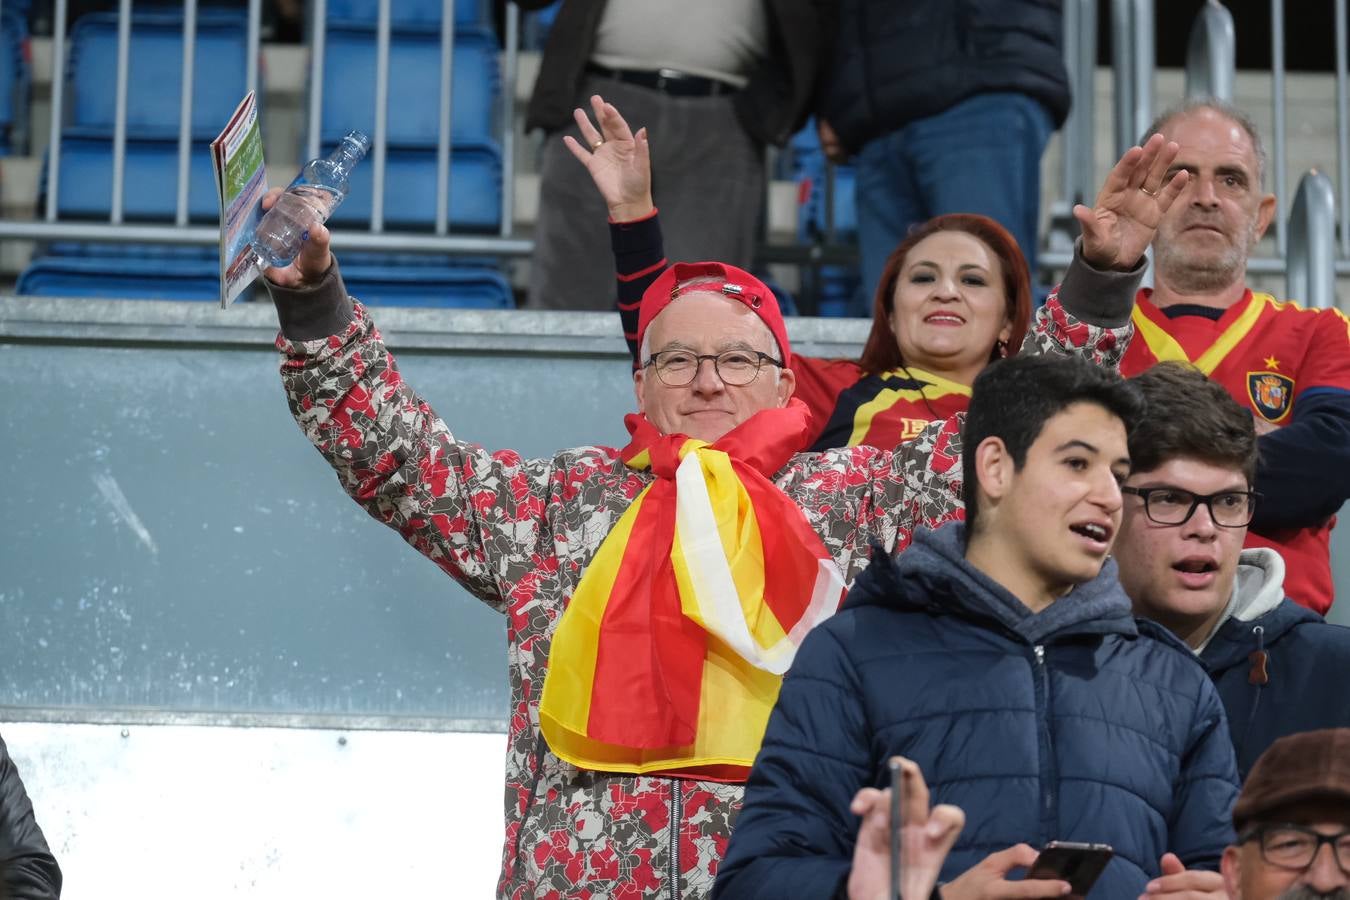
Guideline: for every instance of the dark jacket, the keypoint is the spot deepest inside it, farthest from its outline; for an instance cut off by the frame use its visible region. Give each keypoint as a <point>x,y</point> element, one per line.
<point>1302,684</point>
<point>28,871</point>
<point>774,103</point>
<point>896,62</point>
<point>1078,723</point>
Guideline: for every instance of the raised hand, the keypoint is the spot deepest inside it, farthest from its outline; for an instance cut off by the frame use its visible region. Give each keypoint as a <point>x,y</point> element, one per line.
<point>1137,192</point>
<point>314,260</point>
<point>618,160</point>
<point>926,836</point>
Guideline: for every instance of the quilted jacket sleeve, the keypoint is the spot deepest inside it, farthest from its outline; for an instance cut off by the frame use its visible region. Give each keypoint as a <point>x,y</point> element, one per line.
<point>1201,824</point>
<point>795,834</point>
<point>28,871</point>
<point>471,512</point>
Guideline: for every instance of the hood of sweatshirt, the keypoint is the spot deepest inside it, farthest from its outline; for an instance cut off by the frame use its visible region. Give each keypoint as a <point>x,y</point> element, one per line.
<point>932,574</point>
<point>1258,613</point>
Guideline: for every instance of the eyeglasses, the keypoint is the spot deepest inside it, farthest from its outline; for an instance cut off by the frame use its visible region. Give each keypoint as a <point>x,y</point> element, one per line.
<point>1174,506</point>
<point>737,368</point>
<point>1294,847</point>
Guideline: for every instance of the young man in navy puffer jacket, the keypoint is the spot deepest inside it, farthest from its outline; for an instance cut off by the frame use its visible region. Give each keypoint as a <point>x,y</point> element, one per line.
<point>1002,656</point>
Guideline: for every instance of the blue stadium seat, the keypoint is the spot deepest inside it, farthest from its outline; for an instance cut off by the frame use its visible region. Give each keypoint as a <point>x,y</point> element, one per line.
<point>14,78</point>
<point>154,86</point>
<point>414,79</point>
<point>420,13</point>
<point>131,278</point>
<point>149,188</point>
<point>432,286</point>
<point>410,189</point>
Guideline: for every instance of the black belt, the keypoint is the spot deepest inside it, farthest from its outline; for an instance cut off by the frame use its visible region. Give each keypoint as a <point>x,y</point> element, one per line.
<point>667,81</point>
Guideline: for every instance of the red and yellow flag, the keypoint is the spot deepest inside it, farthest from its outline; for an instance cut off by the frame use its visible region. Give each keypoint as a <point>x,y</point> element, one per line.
<point>669,656</point>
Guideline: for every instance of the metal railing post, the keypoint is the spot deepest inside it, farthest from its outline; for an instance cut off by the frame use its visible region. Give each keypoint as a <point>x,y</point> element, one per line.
<point>317,48</point>
<point>185,110</point>
<point>382,40</point>
<point>120,116</point>
<point>1211,54</point>
<point>1311,260</point>
<point>58,108</point>
<point>443,145</point>
<point>1080,56</point>
<point>1277,122</point>
<point>1132,50</point>
<point>1078,136</point>
<point>510,71</point>
<point>253,37</point>
<point>1342,128</point>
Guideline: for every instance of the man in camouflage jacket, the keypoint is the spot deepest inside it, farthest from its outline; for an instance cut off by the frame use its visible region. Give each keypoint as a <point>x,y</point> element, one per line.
<point>518,534</point>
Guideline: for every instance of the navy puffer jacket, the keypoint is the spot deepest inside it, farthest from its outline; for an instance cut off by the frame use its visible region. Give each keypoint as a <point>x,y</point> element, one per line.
<point>1300,686</point>
<point>1078,723</point>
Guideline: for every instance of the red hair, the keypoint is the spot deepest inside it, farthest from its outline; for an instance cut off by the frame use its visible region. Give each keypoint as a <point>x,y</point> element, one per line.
<point>882,351</point>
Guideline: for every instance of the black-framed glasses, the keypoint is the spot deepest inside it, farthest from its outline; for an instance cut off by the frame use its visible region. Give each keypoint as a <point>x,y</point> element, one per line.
<point>736,368</point>
<point>1175,506</point>
<point>1294,847</point>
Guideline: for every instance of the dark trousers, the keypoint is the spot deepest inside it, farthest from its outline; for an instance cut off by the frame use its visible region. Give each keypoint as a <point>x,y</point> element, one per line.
<point>707,180</point>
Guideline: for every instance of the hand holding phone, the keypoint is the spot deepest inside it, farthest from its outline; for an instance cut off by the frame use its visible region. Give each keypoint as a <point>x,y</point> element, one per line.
<point>1078,864</point>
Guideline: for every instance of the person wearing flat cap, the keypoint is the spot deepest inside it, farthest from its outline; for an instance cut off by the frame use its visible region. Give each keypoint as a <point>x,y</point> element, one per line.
<point>1293,822</point>
<point>647,636</point>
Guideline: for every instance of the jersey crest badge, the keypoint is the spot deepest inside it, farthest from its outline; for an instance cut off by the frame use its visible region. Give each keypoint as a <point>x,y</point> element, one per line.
<point>1271,394</point>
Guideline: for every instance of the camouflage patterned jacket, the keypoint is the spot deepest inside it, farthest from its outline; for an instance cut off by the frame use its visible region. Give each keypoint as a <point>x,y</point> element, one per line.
<point>518,533</point>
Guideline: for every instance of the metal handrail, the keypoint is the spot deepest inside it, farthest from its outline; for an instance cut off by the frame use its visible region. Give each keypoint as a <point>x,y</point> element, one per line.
<point>1311,258</point>
<point>1211,53</point>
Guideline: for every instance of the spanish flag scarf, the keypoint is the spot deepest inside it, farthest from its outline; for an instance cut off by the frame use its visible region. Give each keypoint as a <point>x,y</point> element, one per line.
<point>669,656</point>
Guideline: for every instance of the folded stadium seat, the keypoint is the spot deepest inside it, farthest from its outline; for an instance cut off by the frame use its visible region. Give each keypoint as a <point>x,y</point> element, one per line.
<point>410,189</point>
<point>15,78</point>
<point>149,186</point>
<point>429,286</point>
<point>407,12</point>
<point>154,92</point>
<point>154,77</point>
<point>136,278</point>
<point>414,79</point>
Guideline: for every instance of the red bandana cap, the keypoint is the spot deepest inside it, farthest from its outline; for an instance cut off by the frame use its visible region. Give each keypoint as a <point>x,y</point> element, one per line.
<point>737,284</point>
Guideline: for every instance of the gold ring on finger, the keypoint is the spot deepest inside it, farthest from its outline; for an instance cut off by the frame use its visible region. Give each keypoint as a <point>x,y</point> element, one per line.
<point>596,144</point>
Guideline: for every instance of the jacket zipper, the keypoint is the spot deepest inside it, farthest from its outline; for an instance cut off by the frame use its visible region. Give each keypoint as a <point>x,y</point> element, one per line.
<point>539,748</point>
<point>1260,634</point>
<point>676,788</point>
<point>1047,749</point>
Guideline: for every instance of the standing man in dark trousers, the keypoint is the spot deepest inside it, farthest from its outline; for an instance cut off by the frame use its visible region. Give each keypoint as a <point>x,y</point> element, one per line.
<point>717,80</point>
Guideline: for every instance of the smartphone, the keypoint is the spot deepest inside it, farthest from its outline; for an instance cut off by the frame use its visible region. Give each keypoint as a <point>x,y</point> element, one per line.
<point>1078,864</point>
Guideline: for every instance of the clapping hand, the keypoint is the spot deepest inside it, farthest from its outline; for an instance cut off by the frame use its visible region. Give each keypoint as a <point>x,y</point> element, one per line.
<point>926,836</point>
<point>1137,192</point>
<point>618,160</point>
<point>1180,883</point>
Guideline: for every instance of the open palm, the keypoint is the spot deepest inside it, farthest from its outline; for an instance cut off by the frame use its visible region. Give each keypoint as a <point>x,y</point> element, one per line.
<point>619,160</point>
<point>1137,192</point>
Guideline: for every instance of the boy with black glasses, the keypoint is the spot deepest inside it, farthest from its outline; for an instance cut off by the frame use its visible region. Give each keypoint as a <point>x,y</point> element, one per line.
<point>1279,667</point>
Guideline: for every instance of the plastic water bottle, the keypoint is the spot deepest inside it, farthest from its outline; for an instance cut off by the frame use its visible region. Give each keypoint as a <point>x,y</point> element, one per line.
<point>309,201</point>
